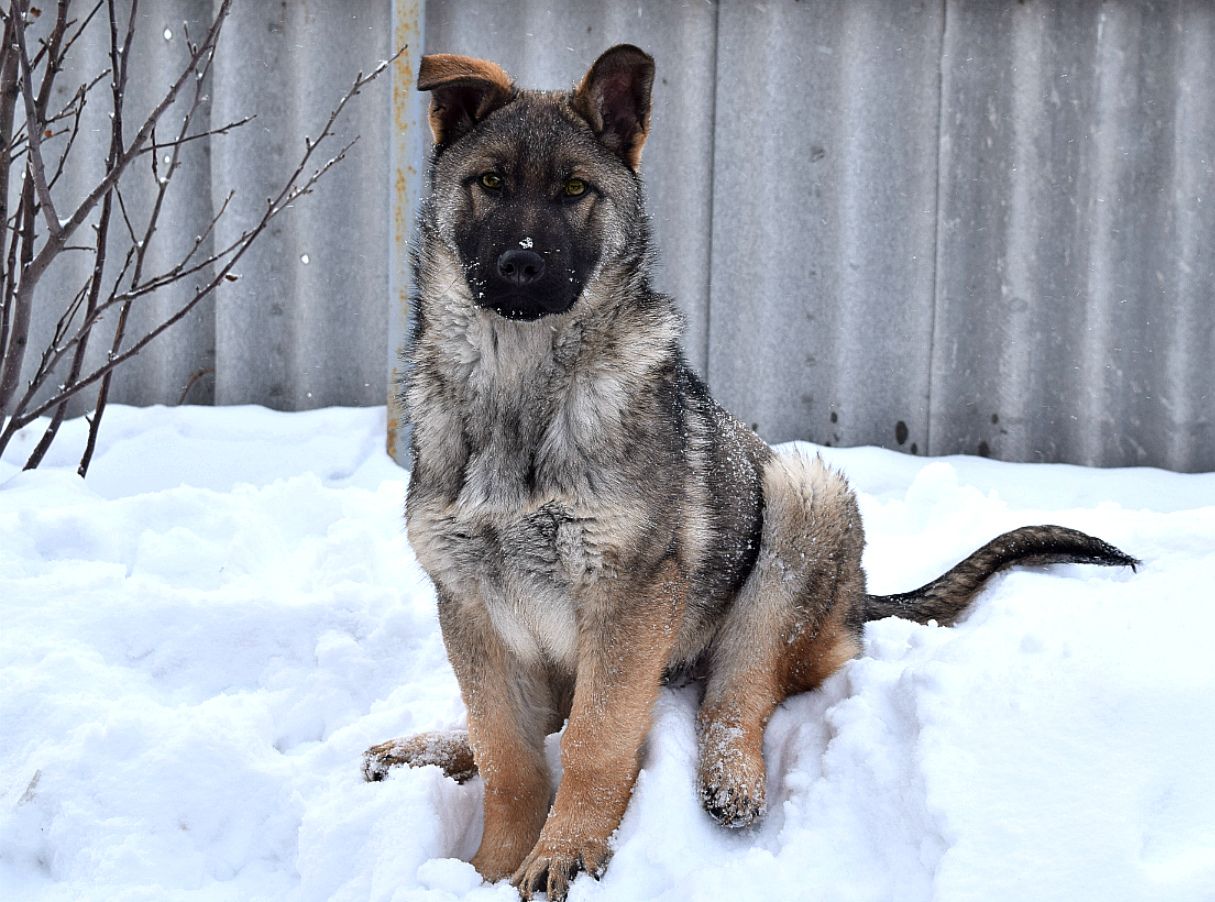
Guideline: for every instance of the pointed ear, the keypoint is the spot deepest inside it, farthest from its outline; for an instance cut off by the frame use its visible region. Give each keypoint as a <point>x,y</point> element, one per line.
<point>464,91</point>
<point>614,98</point>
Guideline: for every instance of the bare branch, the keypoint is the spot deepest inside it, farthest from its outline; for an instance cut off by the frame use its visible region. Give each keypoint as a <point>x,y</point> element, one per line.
<point>221,130</point>
<point>8,103</point>
<point>119,57</point>
<point>8,301</point>
<point>93,285</point>
<point>69,314</point>
<point>67,148</point>
<point>34,268</point>
<point>71,109</point>
<point>49,250</point>
<point>28,260</point>
<point>194,377</point>
<point>295,186</point>
<point>70,42</point>
<point>19,305</point>
<point>35,108</point>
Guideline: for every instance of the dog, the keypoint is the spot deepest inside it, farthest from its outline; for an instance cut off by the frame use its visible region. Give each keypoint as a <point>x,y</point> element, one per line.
<point>592,520</point>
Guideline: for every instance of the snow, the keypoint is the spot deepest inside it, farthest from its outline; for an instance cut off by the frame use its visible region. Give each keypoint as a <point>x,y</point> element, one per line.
<point>198,642</point>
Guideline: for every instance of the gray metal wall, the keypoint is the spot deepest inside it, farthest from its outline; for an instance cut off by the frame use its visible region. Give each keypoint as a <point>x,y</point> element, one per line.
<point>950,226</point>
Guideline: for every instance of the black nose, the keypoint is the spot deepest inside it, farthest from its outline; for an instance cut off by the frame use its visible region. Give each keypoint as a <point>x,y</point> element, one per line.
<point>520,266</point>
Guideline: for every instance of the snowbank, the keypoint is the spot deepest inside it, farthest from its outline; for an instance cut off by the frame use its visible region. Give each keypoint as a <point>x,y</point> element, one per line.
<point>197,644</point>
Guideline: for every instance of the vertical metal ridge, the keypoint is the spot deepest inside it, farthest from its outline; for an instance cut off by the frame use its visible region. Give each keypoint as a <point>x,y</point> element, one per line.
<point>407,169</point>
<point>936,219</point>
<point>706,338</point>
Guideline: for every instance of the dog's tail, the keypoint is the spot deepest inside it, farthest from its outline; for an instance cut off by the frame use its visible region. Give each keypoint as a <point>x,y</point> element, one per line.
<point>947,596</point>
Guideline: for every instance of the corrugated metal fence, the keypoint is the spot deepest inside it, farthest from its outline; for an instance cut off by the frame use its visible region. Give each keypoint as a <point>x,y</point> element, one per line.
<point>982,227</point>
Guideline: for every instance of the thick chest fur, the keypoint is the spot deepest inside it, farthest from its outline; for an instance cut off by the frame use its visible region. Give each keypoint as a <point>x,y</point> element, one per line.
<point>519,500</point>
<point>531,570</point>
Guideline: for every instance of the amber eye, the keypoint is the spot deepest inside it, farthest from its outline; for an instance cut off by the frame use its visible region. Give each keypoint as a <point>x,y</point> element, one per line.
<point>574,188</point>
<point>492,181</point>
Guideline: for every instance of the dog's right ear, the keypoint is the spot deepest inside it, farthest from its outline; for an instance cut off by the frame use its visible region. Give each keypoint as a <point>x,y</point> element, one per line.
<point>464,90</point>
<point>614,99</point>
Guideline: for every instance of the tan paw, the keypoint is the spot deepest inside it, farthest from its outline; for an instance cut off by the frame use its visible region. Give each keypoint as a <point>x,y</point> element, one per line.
<point>731,778</point>
<point>497,863</point>
<point>734,805</point>
<point>551,866</point>
<point>448,750</point>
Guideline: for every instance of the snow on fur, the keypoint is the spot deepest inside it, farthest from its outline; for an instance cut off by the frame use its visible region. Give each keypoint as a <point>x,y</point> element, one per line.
<point>198,643</point>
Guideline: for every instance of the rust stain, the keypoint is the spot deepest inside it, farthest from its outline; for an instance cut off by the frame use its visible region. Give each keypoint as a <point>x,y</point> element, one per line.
<point>400,213</point>
<point>407,32</point>
<point>394,415</point>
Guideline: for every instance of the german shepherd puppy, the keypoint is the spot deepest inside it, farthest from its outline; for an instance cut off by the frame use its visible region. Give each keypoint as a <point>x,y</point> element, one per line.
<point>592,521</point>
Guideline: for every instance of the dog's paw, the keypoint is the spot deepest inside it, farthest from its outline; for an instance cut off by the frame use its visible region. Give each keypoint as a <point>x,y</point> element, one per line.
<point>448,750</point>
<point>551,866</point>
<point>496,864</point>
<point>734,805</point>
<point>731,779</point>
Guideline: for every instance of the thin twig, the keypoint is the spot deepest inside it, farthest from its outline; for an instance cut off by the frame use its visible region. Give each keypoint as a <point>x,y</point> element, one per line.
<point>35,110</point>
<point>194,377</point>
<point>8,103</point>
<point>99,260</point>
<point>295,186</point>
<point>71,109</point>
<point>222,130</point>
<point>118,62</point>
<point>33,269</point>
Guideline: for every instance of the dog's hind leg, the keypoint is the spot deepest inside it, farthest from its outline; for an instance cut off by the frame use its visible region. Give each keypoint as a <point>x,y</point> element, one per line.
<point>447,749</point>
<point>795,622</point>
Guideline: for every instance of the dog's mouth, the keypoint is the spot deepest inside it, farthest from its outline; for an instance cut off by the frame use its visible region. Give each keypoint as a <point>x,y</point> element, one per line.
<point>520,299</point>
<point>524,307</point>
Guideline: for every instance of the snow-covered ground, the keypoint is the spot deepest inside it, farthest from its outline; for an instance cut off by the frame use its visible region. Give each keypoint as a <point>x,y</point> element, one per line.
<point>198,642</point>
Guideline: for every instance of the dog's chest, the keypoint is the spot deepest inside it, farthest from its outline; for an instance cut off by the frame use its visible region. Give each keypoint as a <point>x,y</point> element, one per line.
<point>531,570</point>
<point>527,515</point>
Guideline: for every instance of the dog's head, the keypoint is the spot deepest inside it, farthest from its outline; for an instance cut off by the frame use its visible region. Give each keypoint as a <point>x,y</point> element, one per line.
<point>536,191</point>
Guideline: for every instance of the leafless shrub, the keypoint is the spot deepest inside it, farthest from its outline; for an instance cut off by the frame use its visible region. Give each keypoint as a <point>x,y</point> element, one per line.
<point>37,144</point>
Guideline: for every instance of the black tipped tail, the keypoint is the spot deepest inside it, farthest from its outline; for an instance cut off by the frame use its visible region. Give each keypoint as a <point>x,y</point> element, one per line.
<point>947,596</point>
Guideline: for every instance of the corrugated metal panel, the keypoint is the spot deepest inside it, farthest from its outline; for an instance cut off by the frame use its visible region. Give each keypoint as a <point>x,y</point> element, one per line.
<point>160,374</point>
<point>941,226</point>
<point>1076,284</point>
<point>824,215</point>
<point>306,325</point>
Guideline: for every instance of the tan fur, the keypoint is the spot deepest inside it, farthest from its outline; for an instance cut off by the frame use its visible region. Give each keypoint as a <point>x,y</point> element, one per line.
<point>440,71</point>
<point>448,750</point>
<point>786,631</point>
<point>506,737</point>
<point>619,672</point>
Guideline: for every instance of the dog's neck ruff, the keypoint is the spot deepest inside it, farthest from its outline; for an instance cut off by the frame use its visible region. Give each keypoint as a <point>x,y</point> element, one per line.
<point>512,404</point>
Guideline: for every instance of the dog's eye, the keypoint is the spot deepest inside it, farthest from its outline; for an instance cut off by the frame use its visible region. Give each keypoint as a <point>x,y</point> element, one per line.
<point>573,188</point>
<point>491,181</point>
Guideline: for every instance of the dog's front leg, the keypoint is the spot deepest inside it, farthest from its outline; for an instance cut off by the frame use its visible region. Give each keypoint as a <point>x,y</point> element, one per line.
<point>510,711</point>
<point>624,646</point>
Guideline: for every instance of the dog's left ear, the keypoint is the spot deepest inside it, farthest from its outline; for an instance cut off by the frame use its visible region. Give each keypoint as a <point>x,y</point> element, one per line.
<point>464,90</point>
<point>614,97</point>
